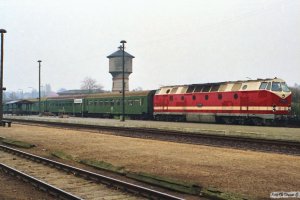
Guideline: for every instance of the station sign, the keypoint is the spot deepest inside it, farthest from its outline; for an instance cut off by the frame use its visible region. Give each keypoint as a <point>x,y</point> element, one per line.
<point>77,100</point>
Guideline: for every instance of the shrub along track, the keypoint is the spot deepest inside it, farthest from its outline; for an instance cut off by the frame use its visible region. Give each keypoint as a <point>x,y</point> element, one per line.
<point>236,142</point>
<point>67,182</point>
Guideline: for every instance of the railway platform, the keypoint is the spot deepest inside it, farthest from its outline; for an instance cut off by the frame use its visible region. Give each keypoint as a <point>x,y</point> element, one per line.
<point>264,132</point>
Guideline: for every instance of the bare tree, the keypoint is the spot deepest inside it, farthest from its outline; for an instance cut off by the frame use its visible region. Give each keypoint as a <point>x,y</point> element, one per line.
<point>90,84</point>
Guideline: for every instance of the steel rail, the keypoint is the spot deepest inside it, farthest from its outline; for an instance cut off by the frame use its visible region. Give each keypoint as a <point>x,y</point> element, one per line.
<point>125,186</point>
<point>183,137</point>
<point>54,191</point>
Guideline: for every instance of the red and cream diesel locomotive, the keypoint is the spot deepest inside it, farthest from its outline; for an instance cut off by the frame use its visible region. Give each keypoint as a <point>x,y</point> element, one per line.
<point>260,101</point>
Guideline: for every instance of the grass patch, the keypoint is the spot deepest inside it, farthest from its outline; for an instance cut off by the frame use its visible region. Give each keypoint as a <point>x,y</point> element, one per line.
<point>175,185</point>
<point>104,166</point>
<point>213,193</point>
<point>62,155</point>
<point>17,143</point>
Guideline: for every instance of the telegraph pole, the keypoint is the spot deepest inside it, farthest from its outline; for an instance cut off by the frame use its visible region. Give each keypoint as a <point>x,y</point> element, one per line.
<point>2,31</point>
<point>40,110</point>
<point>123,80</point>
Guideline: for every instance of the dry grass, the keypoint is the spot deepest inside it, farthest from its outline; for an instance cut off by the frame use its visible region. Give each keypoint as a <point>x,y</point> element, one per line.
<point>251,173</point>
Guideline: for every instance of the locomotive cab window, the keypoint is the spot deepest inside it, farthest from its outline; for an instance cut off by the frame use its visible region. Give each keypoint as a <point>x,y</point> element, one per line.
<point>263,85</point>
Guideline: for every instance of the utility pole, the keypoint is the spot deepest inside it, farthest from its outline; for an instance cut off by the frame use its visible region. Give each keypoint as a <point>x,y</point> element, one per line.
<point>123,80</point>
<point>2,31</point>
<point>40,110</point>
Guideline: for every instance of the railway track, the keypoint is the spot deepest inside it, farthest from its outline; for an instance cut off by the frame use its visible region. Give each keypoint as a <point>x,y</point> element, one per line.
<point>236,142</point>
<point>67,182</point>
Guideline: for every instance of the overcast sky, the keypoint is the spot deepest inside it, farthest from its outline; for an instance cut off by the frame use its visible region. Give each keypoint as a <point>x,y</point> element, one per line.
<point>173,41</point>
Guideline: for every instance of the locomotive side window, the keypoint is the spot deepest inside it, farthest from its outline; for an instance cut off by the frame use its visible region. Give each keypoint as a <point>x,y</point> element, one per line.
<point>206,88</point>
<point>244,87</point>
<point>206,97</point>
<point>174,90</point>
<point>182,98</point>
<point>215,88</point>
<point>236,87</point>
<point>198,88</point>
<point>222,88</point>
<point>168,90</point>
<point>190,89</point>
<point>276,86</point>
<point>194,97</point>
<point>235,96</point>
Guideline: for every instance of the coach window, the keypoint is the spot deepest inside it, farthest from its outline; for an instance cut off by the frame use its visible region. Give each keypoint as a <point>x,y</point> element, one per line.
<point>220,96</point>
<point>194,97</point>
<point>171,98</point>
<point>235,96</point>
<point>206,97</point>
<point>182,98</point>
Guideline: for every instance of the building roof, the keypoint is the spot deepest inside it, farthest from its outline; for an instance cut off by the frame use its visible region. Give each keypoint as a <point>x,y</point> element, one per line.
<point>119,53</point>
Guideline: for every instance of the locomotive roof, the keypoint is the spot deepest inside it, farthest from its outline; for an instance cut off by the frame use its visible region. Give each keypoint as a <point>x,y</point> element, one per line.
<point>227,82</point>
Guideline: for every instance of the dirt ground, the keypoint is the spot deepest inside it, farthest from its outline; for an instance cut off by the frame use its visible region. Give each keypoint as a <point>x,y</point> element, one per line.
<point>245,172</point>
<point>12,188</point>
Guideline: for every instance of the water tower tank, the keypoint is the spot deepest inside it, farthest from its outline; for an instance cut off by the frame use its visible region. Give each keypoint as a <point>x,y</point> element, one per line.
<point>115,68</point>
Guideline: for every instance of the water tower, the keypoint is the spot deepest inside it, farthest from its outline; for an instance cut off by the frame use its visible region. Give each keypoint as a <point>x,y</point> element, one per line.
<point>115,68</point>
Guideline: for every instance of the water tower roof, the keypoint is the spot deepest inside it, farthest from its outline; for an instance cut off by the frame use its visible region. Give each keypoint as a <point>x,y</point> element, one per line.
<point>119,53</point>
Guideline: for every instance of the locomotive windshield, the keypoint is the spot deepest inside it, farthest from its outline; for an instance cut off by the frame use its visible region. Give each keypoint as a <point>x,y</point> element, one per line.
<point>285,87</point>
<point>276,86</point>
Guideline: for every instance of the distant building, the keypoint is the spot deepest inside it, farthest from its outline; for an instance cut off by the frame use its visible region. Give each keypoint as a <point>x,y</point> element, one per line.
<point>116,69</point>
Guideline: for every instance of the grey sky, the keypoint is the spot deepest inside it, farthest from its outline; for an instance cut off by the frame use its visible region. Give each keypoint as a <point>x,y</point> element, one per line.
<point>174,42</point>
